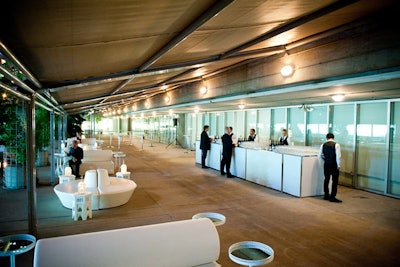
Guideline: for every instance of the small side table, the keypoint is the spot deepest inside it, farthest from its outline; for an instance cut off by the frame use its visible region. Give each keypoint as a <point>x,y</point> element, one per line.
<point>12,245</point>
<point>251,253</point>
<point>216,218</point>
<point>82,206</point>
<point>65,178</point>
<point>118,156</point>
<point>126,175</point>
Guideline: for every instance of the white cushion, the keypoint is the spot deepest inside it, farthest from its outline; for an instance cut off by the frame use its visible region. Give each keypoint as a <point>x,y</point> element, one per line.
<point>103,179</point>
<point>91,178</point>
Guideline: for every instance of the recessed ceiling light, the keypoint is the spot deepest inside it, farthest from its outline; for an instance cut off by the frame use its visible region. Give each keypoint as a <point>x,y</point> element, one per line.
<point>241,106</point>
<point>170,112</point>
<point>166,99</point>
<point>287,70</point>
<point>338,97</point>
<point>203,90</point>
<point>196,110</point>
<point>147,104</point>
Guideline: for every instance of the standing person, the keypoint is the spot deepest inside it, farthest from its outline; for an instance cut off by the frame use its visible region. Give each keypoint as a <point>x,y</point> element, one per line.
<point>252,136</point>
<point>205,145</point>
<point>77,155</point>
<point>330,153</point>
<point>284,139</point>
<point>227,146</point>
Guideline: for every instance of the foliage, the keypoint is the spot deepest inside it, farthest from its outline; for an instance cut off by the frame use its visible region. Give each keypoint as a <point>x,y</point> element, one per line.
<point>12,127</point>
<point>74,123</point>
<point>42,130</point>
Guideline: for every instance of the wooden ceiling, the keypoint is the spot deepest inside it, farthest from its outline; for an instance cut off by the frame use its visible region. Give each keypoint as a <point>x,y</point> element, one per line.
<point>98,52</point>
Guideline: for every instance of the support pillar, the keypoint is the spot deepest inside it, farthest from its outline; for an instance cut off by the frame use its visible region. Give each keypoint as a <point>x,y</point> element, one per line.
<point>30,164</point>
<point>52,148</point>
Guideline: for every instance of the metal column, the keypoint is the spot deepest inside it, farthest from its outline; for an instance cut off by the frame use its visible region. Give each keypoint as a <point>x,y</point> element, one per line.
<point>52,147</point>
<point>30,164</point>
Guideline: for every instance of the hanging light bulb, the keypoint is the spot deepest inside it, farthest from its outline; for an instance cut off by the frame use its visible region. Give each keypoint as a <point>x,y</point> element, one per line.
<point>4,95</point>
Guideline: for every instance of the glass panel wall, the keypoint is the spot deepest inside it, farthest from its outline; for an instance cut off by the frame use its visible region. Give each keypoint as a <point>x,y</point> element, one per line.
<point>317,126</point>
<point>239,125</point>
<point>394,151</point>
<point>278,122</point>
<point>361,129</point>
<point>264,126</point>
<point>372,156</point>
<point>296,126</point>
<point>343,127</point>
<point>251,122</point>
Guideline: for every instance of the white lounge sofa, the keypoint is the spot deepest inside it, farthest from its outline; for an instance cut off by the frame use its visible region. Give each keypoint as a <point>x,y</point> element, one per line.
<point>94,159</point>
<point>107,192</point>
<point>173,244</point>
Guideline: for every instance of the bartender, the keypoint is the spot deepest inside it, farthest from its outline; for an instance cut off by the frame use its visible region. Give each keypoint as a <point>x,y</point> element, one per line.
<point>252,136</point>
<point>284,139</point>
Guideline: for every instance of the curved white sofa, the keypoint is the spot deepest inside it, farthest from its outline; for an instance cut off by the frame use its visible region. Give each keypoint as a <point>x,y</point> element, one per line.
<point>173,244</point>
<point>107,192</point>
<point>93,159</point>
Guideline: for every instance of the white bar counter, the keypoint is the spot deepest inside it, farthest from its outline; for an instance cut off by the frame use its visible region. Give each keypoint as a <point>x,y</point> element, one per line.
<point>294,170</point>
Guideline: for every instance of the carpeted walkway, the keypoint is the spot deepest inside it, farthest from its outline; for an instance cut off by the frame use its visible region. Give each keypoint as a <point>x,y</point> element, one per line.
<point>364,230</point>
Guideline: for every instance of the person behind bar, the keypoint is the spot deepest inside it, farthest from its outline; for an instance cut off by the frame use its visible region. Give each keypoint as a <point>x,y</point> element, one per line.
<point>252,136</point>
<point>77,155</point>
<point>227,147</point>
<point>284,139</point>
<point>331,155</point>
<point>205,145</point>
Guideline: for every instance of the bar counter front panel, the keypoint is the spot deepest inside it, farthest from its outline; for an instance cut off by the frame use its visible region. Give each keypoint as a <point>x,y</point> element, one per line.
<point>297,175</point>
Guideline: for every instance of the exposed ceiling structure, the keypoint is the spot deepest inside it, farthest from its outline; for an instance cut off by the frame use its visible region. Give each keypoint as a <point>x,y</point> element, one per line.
<point>88,55</point>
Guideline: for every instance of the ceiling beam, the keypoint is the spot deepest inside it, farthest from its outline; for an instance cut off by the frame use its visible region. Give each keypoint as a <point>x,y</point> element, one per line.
<point>211,12</point>
<point>291,25</point>
<point>6,52</point>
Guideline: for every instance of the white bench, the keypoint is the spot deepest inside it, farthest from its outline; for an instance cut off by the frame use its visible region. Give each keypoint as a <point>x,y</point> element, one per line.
<point>94,159</point>
<point>173,244</point>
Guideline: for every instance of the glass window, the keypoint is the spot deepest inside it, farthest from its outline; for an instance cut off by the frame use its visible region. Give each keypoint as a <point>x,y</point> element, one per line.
<point>317,126</point>
<point>394,151</point>
<point>239,125</point>
<point>264,126</point>
<point>372,154</point>
<point>343,129</point>
<point>278,122</point>
<point>296,126</point>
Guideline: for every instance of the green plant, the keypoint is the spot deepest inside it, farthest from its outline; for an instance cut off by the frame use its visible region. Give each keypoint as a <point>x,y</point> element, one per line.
<point>42,130</point>
<point>74,123</point>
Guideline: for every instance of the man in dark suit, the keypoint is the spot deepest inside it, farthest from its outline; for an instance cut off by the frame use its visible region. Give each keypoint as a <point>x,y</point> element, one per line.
<point>284,139</point>
<point>205,145</point>
<point>227,147</point>
<point>331,155</point>
<point>77,155</point>
<point>252,136</point>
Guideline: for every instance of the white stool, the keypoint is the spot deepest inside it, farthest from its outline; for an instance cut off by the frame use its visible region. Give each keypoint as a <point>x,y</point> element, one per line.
<point>82,206</point>
<point>65,178</point>
<point>126,175</point>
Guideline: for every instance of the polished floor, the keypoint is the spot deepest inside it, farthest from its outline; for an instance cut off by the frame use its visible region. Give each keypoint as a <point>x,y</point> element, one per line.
<point>364,230</point>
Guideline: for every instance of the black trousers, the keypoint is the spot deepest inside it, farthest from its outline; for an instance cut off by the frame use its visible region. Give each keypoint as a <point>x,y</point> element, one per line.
<point>75,167</point>
<point>331,170</point>
<point>226,161</point>
<point>203,157</point>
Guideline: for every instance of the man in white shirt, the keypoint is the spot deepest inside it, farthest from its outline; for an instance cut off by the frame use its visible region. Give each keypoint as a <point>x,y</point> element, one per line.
<point>330,153</point>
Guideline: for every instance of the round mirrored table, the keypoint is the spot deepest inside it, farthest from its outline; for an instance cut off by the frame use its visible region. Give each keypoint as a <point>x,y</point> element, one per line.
<point>12,245</point>
<point>217,218</point>
<point>251,253</point>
